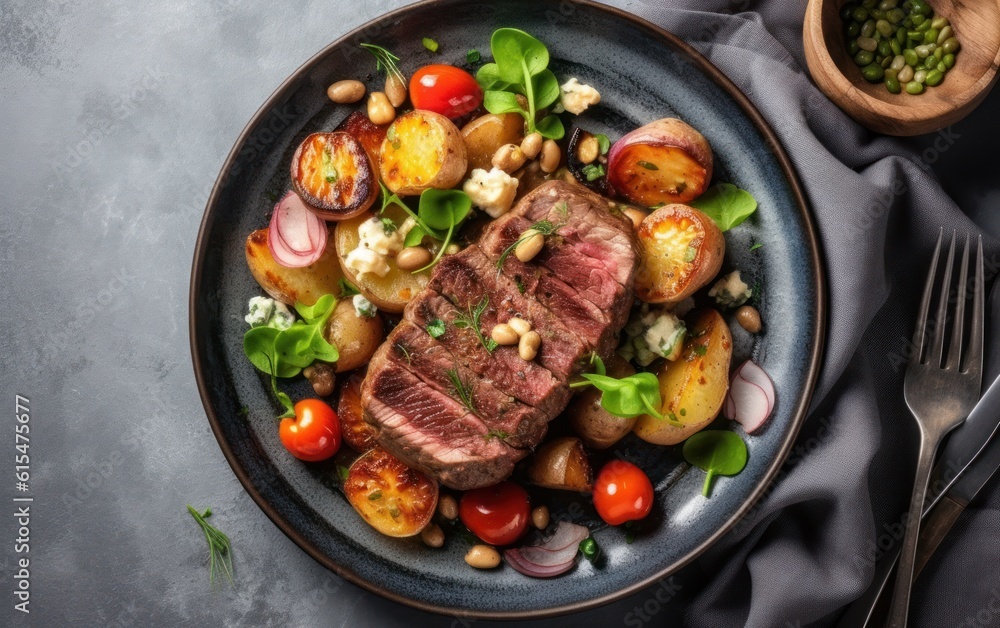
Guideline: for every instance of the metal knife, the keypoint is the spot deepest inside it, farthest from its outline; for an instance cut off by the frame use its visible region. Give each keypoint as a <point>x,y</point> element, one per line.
<point>967,461</point>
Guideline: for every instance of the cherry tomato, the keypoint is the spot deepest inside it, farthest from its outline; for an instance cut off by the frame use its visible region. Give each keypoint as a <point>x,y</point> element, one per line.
<point>313,434</point>
<point>622,493</point>
<point>445,89</point>
<point>497,514</point>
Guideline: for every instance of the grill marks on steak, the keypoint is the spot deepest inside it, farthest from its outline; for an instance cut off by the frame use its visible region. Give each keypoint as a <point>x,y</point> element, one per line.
<point>527,382</point>
<point>577,294</point>
<point>436,434</point>
<point>501,413</point>
<point>467,277</point>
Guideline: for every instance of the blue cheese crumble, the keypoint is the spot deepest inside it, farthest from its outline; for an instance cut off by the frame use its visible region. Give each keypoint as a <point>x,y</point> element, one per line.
<point>265,312</point>
<point>363,308</point>
<point>730,291</point>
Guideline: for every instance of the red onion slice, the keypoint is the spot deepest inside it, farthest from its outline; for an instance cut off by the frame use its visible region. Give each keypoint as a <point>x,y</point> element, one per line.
<point>750,399</point>
<point>553,557</point>
<point>296,236</point>
<point>515,560</point>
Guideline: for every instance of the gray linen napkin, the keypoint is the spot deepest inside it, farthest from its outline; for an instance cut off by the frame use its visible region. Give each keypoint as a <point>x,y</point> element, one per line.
<point>809,548</point>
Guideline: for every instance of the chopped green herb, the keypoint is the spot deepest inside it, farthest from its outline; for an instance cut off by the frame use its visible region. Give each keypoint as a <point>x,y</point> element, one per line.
<point>388,226</point>
<point>430,44</point>
<point>347,289</point>
<point>394,512</point>
<point>436,328</point>
<point>461,389</point>
<point>244,411</point>
<point>701,349</point>
<point>498,434</point>
<point>683,412</point>
<point>593,172</point>
<point>520,284</point>
<point>756,245</point>
<point>473,56</point>
<point>219,547</point>
<point>342,472</point>
<point>470,320</point>
<point>375,495</point>
<point>589,549</point>
<point>603,142</point>
<point>648,165</point>
<point>690,254</point>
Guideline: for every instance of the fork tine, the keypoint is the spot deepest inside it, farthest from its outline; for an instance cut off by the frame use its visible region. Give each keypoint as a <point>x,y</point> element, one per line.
<point>974,355</point>
<point>955,346</point>
<point>936,354</point>
<point>920,331</point>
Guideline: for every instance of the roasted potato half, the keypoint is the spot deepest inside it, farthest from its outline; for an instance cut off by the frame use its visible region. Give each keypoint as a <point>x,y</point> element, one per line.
<point>289,285</point>
<point>393,498</point>
<point>596,427</point>
<point>562,464</point>
<point>392,292</point>
<point>422,150</point>
<point>666,161</point>
<point>371,135</point>
<point>357,433</point>
<point>694,386</point>
<point>486,134</point>
<point>682,250</point>
<point>356,337</point>
<point>334,175</point>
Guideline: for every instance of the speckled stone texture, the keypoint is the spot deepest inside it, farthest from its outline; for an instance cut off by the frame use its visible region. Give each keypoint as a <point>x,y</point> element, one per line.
<point>114,121</point>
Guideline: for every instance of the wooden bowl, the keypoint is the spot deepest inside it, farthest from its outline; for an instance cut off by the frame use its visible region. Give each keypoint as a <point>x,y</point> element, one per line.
<point>977,27</point>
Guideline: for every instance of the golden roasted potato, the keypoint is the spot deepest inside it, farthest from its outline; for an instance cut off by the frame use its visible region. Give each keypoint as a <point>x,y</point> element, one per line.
<point>371,135</point>
<point>393,498</point>
<point>596,427</point>
<point>357,433</point>
<point>666,161</point>
<point>334,175</point>
<point>682,250</point>
<point>694,386</point>
<point>422,150</point>
<point>392,292</point>
<point>356,337</point>
<point>289,285</point>
<point>486,134</point>
<point>561,463</point>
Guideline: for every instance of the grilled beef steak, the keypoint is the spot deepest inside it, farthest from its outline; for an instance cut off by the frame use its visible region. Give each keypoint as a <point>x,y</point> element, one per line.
<point>464,412</point>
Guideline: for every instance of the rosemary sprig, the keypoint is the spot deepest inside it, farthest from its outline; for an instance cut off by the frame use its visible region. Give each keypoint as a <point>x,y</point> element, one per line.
<point>406,352</point>
<point>219,548</point>
<point>544,227</point>
<point>470,320</point>
<point>385,61</point>
<point>461,389</point>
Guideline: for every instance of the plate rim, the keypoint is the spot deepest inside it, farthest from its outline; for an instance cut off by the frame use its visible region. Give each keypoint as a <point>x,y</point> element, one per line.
<point>799,414</point>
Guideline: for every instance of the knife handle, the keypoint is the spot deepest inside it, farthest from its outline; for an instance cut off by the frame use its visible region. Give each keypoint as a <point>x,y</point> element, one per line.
<point>934,528</point>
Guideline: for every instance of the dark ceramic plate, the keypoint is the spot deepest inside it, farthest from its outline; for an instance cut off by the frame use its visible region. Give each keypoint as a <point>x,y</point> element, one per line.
<point>643,74</point>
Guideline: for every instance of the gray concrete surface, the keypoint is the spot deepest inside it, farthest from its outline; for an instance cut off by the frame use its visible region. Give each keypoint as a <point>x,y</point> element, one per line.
<point>114,120</point>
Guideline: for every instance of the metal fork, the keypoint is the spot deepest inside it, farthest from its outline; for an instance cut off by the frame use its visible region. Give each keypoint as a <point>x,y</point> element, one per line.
<point>939,391</point>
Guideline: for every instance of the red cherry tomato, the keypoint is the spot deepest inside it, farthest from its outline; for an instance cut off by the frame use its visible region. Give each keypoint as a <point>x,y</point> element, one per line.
<point>313,434</point>
<point>445,89</point>
<point>622,493</point>
<point>497,514</point>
